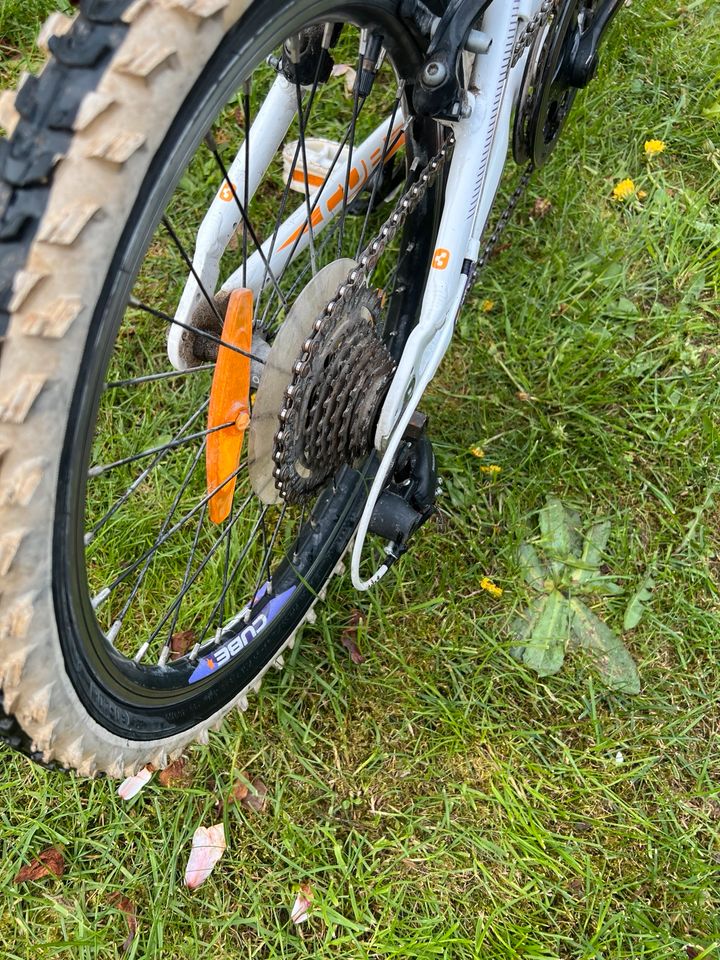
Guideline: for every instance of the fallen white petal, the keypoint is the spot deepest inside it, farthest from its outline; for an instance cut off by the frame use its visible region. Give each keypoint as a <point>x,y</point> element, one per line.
<point>302,904</point>
<point>344,70</point>
<point>208,845</point>
<point>619,758</point>
<point>133,785</point>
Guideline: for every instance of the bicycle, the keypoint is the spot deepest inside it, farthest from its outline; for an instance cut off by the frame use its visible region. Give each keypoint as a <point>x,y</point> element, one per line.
<point>216,414</point>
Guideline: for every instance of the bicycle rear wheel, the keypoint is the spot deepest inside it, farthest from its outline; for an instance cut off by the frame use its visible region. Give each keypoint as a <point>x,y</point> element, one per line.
<point>129,623</point>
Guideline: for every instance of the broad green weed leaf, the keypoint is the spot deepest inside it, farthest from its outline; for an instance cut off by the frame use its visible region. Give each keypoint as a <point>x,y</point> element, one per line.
<point>593,549</point>
<point>524,624</point>
<point>545,649</point>
<point>600,586</point>
<point>625,308</point>
<point>608,652</point>
<point>574,522</point>
<point>639,600</point>
<point>556,533</point>
<point>532,570</point>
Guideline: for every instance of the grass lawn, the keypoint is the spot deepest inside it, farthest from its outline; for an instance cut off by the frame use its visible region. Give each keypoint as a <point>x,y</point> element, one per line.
<point>440,799</point>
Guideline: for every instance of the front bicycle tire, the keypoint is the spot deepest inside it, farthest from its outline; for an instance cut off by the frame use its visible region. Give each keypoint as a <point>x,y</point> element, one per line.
<point>100,141</point>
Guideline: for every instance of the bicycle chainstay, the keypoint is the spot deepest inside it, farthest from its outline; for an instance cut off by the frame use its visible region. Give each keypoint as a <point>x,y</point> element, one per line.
<point>283,452</point>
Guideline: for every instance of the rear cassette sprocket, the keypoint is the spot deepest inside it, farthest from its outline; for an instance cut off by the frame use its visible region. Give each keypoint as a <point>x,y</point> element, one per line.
<point>336,400</point>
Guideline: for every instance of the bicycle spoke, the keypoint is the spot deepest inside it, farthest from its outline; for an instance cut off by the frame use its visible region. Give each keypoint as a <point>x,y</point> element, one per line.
<point>154,312</point>
<point>189,264</point>
<point>154,377</point>
<point>167,649</point>
<point>247,119</point>
<point>213,550</point>
<point>294,247</point>
<point>348,169</point>
<point>306,176</point>
<point>89,537</point>
<point>213,148</point>
<point>226,569</point>
<point>173,445</point>
<point>379,170</point>
<point>286,189</point>
<point>114,630</point>
<point>300,280</point>
<point>319,194</point>
<point>128,571</point>
<point>220,604</point>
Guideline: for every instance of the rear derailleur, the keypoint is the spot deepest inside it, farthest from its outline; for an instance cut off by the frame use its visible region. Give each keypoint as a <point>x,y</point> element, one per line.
<point>408,500</point>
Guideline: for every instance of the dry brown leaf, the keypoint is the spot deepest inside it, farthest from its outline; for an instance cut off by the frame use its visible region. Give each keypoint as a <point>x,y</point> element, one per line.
<point>127,907</point>
<point>302,904</point>
<point>236,795</point>
<point>177,774</point>
<point>541,208</point>
<point>349,637</point>
<point>49,861</point>
<point>576,886</point>
<point>181,642</point>
<point>208,845</point>
<point>255,797</point>
<point>238,792</point>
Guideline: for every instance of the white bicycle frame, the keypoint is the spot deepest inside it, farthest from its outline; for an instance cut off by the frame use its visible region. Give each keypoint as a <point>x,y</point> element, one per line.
<point>478,160</point>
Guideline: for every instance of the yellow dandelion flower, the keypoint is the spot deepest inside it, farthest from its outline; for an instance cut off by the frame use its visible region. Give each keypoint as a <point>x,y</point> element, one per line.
<point>477,452</point>
<point>654,147</point>
<point>623,190</point>
<point>491,468</point>
<point>492,588</point>
<point>487,306</point>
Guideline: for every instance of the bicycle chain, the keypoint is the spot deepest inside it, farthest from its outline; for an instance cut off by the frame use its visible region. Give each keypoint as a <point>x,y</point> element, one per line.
<point>283,446</point>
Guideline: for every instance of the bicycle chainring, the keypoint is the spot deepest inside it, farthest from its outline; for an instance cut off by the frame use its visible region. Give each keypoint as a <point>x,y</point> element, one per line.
<point>547,94</point>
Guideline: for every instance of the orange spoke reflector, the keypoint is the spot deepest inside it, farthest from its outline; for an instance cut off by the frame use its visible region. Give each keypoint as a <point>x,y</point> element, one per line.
<point>229,401</point>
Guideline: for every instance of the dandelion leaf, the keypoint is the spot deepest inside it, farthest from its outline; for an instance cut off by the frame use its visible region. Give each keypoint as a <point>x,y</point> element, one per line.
<point>545,647</point>
<point>592,553</point>
<point>524,624</point>
<point>638,602</point>
<point>605,648</point>
<point>530,566</point>
<point>556,530</point>
<point>574,522</point>
<point>600,586</point>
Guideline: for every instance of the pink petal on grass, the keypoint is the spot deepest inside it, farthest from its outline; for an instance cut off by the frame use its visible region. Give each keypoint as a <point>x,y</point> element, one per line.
<point>344,70</point>
<point>133,785</point>
<point>208,845</point>
<point>302,905</point>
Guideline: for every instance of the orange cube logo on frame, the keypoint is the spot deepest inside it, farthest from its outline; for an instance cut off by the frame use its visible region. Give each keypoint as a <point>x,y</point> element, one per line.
<point>441,259</point>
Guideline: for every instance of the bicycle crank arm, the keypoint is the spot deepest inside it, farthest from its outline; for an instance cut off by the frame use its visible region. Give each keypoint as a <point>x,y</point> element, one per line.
<point>583,66</point>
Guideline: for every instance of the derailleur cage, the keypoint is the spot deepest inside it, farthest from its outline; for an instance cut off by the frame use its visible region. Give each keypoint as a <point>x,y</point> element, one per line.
<point>408,499</point>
